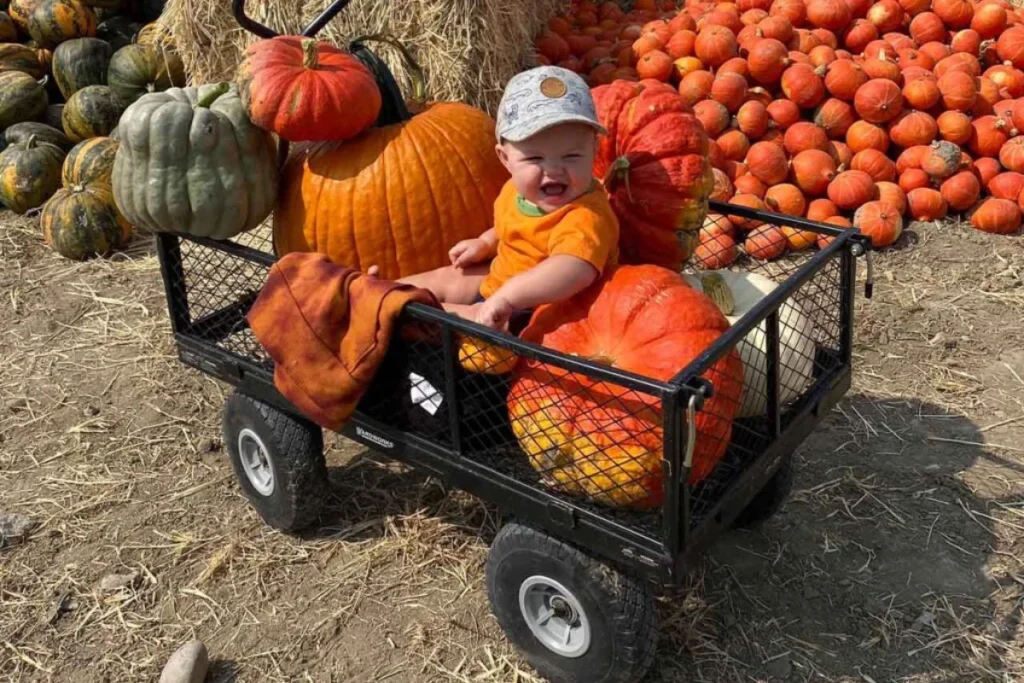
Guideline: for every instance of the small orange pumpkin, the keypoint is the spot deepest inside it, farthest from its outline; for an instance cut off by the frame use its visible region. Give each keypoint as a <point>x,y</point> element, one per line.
<point>863,135</point>
<point>812,171</point>
<point>891,194</point>
<point>767,161</point>
<point>765,243</point>
<point>1011,154</point>
<point>851,189</point>
<point>913,128</point>
<point>998,216</point>
<point>926,204</point>
<point>954,126</point>
<point>875,164</point>
<point>913,178</point>
<point>1007,185</point>
<point>961,190</point>
<point>879,101</point>
<point>879,221</point>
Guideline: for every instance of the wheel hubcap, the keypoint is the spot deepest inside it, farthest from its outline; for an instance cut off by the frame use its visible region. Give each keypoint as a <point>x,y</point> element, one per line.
<point>253,455</point>
<point>555,617</point>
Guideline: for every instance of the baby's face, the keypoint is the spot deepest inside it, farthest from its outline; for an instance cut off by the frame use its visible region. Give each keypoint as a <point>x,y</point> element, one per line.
<point>553,167</point>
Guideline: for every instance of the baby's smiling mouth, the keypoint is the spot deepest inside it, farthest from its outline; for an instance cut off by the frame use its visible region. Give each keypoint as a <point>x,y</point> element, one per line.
<point>551,190</point>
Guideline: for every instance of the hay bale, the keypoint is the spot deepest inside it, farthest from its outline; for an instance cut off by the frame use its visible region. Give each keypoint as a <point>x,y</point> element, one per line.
<point>468,48</point>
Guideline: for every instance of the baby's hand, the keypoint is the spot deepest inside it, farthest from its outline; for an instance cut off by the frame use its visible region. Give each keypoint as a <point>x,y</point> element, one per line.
<point>494,312</point>
<point>469,252</point>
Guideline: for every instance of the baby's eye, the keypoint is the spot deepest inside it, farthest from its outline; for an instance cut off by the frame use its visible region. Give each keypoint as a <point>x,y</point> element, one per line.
<point>573,156</point>
<point>533,159</point>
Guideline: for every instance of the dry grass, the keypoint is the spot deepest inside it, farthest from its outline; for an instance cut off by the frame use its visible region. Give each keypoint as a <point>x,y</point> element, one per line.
<point>897,559</point>
<point>468,48</point>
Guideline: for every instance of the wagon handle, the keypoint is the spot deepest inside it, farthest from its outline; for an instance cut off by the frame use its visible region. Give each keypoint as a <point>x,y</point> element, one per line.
<point>256,28</point>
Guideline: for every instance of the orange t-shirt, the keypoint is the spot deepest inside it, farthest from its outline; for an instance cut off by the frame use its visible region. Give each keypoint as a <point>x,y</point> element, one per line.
<point>585,227</point>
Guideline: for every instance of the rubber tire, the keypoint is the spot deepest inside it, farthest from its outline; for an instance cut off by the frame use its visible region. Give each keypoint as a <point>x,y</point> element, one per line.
<point>769,499</point>
<point>296,455</point>
<point>619,606</point>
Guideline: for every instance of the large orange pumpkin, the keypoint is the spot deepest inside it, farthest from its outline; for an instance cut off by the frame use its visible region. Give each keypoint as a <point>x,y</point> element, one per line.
<point>398,196</point>
<point>657,170</point>
<point>605,441</point>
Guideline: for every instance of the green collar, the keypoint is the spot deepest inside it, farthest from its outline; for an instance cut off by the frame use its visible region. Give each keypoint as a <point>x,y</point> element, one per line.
<point>528,208</point>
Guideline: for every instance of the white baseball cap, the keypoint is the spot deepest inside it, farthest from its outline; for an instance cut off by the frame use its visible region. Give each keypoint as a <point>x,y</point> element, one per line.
<point>541,98</point>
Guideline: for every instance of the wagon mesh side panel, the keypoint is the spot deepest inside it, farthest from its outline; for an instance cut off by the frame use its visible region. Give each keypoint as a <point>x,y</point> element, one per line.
<point>809,332</point>
<point>221,287</point>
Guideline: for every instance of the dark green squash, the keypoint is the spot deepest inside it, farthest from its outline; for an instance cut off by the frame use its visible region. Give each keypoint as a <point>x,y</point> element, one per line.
<point>22,98</point>
<point>29,174</point>
<point>21,132</point>
<point>139,69</point>
<point>81,221</point>
<point>8,30</point>
<point>90,161</point>
<point>81,62</point>
<point>91,112</point>
<point>15,57</point>
<point>118,31</point>
<point>53,116</point>
<point>54,21</point>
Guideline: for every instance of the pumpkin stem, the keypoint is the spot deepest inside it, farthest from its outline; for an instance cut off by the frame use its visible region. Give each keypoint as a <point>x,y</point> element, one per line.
<point>618,169</point>
<point>412,67</point>
<point>211,96</point>
<point>715,289</point>
<point>310,53</point>
<point>601,359</point>
<point>31,142</point>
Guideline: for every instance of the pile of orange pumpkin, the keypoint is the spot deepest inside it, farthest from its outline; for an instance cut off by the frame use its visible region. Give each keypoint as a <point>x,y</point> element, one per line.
<point>849,112</point>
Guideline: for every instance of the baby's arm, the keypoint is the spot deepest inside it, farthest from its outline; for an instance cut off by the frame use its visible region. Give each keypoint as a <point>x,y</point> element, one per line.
<point>557,277</point>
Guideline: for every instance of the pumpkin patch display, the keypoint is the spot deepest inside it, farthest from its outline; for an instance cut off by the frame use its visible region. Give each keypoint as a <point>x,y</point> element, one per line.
<point>593,438</point>
<point>823,82</point>
<point>225,185</point>
<point>29,174</point>
<point>303,89</point>
<point>80,221</point>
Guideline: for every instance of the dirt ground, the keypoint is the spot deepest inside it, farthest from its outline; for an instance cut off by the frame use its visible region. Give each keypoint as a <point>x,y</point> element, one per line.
<point>898,558</point>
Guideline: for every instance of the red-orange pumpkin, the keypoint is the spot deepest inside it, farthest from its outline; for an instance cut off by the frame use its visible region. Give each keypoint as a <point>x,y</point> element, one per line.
<point>785,198</point>
<point>988,135</point>
<point>805,135</point>
<point>784,113</point>
<point>986,169</point>
<point>879,101</point>
<point>875,164</point>
<point>765,243</point>
<point>730,90</point>
<point>1011,154</point>
<point>752,119</point>
<point>767,161</point>
<point>802,84</point>
<point>891,194</point>
<point>835,117</point>
<point>922,93</point>
<point>913,178</point>
<point>821,209</point>
<point>961,190</point>
<point>1010,46</point>
<point>594,438</point>
<point>713,116</point>
<point>812,171</point>
<point>879,221</point>
<point>749,184</point>
<point>715,45</point>
<point>851,189</point>
<point>1007,185</point>
<point>927,27</point>
<point>998,216</point>
<point>926,204</point>
<point>959,90</point>
<point>863,135</point>
<point>656,168</point>
<point>830,14</point>
<point>767,59</point>
<point>955,14</point>
<point>941,160</point>
<point>954,126</point>
<point>843,78</point>
<point>304,89</point>
<point>913,128</point>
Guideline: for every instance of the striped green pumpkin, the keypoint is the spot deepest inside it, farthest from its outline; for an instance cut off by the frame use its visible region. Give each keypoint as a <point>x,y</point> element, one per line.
<point>29,174</point>
<point>21,132</point>
<point>139,69</point>
<point>82,221</point>
<point>54,21</point>
<point>91,112</point>
<point>90,161</point>
<point>8,31</point>
<point>22,98</point>
<point>80,62</point>
<point>15,57</point>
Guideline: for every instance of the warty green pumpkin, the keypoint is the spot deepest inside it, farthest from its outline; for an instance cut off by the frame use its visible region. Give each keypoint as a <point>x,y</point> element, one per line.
<point>139,69</point>
<point>79,63</point>
<point>219,171</point>
<point>15,57</point>
<point>29,174</point>
<point>21,132</point>
<point>22,98</point>
<point>91,112</point>
<point>54,21</point>
<point>90,161</point>
<point>81,221</point>
<point>8,30</point>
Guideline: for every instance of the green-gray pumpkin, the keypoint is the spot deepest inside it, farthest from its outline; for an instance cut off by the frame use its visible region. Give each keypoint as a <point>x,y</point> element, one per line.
<point>21,132</point>
<point>81,221</point>
<point>139,69</point>
<point>81,62</point>
<point>22,98</point>
<point>29,174</point>
<point>191,161</point>
<point>91,112</point>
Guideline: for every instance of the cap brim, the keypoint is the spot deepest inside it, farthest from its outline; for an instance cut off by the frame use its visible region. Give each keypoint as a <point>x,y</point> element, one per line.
<point>527,129</point>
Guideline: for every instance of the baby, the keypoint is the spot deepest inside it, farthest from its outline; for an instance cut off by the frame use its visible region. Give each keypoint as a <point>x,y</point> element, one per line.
<point>554,231</point>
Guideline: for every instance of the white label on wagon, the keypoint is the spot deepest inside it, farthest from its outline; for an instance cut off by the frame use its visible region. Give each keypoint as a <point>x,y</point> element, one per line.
<point>424,395</point>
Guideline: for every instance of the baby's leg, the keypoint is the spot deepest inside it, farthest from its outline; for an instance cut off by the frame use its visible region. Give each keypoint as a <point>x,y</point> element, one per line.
<point>451,285</point>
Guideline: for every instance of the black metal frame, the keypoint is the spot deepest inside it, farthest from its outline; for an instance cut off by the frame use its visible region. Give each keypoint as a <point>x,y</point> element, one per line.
<point>662,556</point>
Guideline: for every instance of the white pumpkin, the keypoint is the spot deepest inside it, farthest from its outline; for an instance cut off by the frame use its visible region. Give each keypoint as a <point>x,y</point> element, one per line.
<point>796,342</point>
